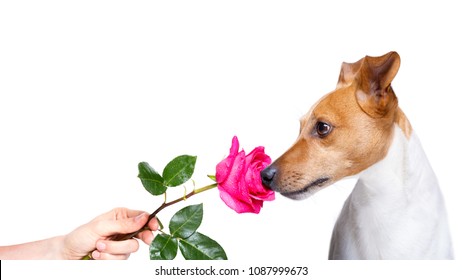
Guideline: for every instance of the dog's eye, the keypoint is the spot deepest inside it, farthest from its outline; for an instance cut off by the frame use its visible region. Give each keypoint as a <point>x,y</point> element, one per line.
<point>323,129</point>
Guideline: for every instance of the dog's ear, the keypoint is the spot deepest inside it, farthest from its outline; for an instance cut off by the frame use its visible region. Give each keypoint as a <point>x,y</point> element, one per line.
<point>348,73</point>
<point>375,94</point>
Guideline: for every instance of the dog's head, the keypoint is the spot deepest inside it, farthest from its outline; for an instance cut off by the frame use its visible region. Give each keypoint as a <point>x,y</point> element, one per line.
<point>344,133</point>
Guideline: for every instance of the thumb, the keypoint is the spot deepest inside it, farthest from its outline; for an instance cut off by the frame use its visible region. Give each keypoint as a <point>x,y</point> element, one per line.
<point>127,225</point>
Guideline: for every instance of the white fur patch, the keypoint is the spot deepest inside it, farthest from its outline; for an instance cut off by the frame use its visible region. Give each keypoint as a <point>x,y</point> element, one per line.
<point>395,211</point>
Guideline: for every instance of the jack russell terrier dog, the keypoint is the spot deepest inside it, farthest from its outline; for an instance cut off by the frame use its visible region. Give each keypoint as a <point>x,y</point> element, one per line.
<point>396,209</point>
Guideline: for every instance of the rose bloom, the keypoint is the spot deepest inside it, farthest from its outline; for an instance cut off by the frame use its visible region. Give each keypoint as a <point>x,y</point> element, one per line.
<point>239,182</point>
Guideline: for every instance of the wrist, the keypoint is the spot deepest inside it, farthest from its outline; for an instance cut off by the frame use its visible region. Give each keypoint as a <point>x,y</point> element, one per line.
<point>49,249</point>
<point>57,249</point>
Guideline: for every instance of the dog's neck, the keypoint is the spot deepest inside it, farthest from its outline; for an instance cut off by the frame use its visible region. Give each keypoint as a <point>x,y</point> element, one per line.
<point>398,206</point>
<point>404,172</point>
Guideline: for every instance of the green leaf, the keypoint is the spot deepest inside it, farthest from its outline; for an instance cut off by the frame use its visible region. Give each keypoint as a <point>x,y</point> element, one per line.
<point>163,247</point>
<point>179,170</point>
<point>186,221</point>
<point>213,177</point>
<point>201,247</point>
<point>151,180</point>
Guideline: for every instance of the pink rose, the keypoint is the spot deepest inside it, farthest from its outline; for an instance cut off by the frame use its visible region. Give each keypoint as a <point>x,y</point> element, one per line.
<point>239,182</point>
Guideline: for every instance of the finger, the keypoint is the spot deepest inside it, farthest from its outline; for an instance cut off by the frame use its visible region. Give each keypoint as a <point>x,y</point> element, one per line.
<point>127,225</point>
<point>146,236</point>
<point>153,224</point>
<point>119,214</point>
<point>117,247</point>
<point>122,213</point>
<point>105,256</point>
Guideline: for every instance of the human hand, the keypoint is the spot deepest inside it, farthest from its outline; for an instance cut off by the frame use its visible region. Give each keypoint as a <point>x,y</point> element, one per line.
<point>94,236</point>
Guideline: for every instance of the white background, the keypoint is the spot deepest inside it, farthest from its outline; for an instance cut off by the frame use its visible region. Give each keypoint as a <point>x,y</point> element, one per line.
<point>90,88</point>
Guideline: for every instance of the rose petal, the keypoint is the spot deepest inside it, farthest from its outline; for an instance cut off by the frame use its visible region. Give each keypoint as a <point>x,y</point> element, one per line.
<point>223,168</point>
<point>235,204</point>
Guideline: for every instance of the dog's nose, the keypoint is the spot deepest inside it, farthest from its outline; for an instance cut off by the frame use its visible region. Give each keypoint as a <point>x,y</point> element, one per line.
<point>267,176</point>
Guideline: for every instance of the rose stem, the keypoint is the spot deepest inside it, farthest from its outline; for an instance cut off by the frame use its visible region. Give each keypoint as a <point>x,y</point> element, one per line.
<point>120,237</point>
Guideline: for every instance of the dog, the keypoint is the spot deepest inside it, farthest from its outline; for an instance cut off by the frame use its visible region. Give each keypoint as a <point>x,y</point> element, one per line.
<point>396,209</point>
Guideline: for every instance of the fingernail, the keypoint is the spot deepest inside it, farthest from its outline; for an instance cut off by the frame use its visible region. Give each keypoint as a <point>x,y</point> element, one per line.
<point>101,246</point>
<point>139,217</point>
<point>96,255</point>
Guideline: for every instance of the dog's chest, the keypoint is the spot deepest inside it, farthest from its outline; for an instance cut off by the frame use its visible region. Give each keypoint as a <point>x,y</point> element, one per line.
<point>394,228</point>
